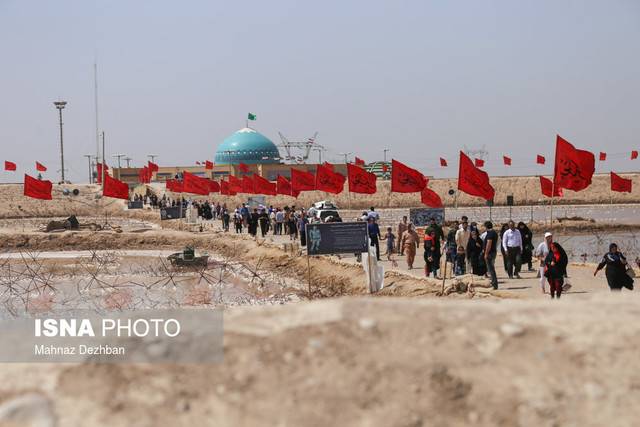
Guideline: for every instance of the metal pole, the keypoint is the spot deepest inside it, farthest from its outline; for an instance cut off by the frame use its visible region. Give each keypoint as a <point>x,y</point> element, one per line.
<point>103,160</point>
<point>61,147</point>
<point>88,156</point>
<point>95,81</point>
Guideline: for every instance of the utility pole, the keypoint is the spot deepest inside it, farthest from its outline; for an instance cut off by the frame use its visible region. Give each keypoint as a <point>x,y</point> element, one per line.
<point>128,160</point>
<point>88,156</point>
<point>60,106</point>
<point>103,162</point>
<point>152,157</point>
<point>118,156</point>
<point>346,157</point>
<point>385,154</point>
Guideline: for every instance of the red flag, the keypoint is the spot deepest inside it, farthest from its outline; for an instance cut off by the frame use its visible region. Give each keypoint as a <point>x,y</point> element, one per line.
<point>602,157</point>
<point>208,165</point>
<point>328,180</point>
<point>9,166</point>
<point>197,163</point>
<point>359,161</point>
<point>225,189</point>
<point>472,180</point>
<point>574,168</point>
<point>478,162</point>
<point>214,187</point>
<point>540,160</point>
<point>283,186</point>
<point>328,165</point>
<point>506,160</point>
<point>443,162</point>
<point>243,168</point>
<point>361,181</point>
<point>302,181</point>
<point>385,168</point>
<point>115,188</point>
<point>99,171</point>
<point>177,186</point>
<point>620,184</point>
<point>247,185</point>
<point>546,186</point>
<point>430,198</point>
<point>144,175</point>
<point>405,179</point>
<point>634,155</point>
<point>235,184</point>
<point>152,167</point>
<point>194,184</point>
<point>264,186</point>
<point>36,188</point>
<point>40,167</point>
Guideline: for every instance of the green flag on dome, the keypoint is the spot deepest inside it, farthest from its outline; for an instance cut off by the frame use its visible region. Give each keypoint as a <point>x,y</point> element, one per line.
<point>251,116</point>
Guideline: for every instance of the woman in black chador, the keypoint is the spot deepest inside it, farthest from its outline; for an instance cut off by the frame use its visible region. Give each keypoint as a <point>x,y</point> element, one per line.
<point>616,269</point>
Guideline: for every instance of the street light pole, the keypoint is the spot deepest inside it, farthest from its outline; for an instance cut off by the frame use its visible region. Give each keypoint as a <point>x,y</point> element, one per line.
<point>385,154</point>
<point>128,160</point>
<point>118,156</point>
<point>60,106</point>
<point>152,157</point>
<point>88,156</point>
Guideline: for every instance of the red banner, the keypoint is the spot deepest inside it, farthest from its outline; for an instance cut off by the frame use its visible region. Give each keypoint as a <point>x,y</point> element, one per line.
<point>472,180</point>
<point>115,188</point>
<point>478,163</point>
<point>99,172</point>
<point>361,181</point>
<point>359,161</point>
<point>634,155</point>
<point>40,167</point>
<point>36,188</point>
<point>573,168</point>
<point>247,185</point>
<point>152,167</point>
<point>506,160</point>
<point>9,166</point>
<point>620,184</point>
<point>264,186</point>
<point>328,180</point>
<point>194,184</point>
<point>214,187</point>
<point>602,157</point>
<point>443,162</point>
<point>405,179</point>
<point>283,186</point>
<point>225,189</point>
<point>302,181</point>
<point>546,186</point>
<point>208,165</point>
<point>540,160</point>
<point>243,168</point>
<point>235,184</point>
<point>430,198</point>
<point>144,175</point>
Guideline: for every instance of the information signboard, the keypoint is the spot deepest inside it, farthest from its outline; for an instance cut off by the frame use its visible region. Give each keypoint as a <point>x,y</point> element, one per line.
<point>135,204</point>
<point>172,212</point>
<point>337,238</point>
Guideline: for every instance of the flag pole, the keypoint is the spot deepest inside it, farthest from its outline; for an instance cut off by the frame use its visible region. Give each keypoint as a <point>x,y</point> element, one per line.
<point>553,191</point>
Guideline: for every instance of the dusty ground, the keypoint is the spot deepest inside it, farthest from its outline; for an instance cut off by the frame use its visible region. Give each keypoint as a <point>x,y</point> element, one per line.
<point>328,353</point>
<point>375,362</point>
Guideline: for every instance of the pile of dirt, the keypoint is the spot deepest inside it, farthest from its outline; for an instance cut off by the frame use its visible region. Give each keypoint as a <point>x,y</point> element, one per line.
<point>88,202</point>
<point>373,362</point>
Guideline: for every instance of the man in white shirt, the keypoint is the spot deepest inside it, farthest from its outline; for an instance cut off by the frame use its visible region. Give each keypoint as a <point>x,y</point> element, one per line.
<point>462,238</point>
<point>512,245</point>
<point>541,253</point>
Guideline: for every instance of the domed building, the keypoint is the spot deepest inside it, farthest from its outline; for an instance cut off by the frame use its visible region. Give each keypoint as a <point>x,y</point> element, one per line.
<point>247,146</point>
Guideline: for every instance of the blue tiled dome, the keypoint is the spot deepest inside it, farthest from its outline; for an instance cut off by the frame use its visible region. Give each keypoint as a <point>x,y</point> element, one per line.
<point>247,146</point>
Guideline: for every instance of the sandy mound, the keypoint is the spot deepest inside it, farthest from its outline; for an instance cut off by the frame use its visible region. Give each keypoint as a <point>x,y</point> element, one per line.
<point>374,362</point>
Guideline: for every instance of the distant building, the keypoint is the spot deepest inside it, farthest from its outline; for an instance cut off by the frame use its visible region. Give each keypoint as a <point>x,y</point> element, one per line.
<point>247,146</point>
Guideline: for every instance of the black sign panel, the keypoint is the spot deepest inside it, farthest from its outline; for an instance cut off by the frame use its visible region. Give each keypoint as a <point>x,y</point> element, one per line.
<point>172,212</point>
<point>135,204</point>
<point>422,216</point>
<point>337,238</point>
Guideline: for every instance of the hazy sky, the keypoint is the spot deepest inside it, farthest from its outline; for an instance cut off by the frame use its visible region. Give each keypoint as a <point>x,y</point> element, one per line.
<point>423,78</point>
